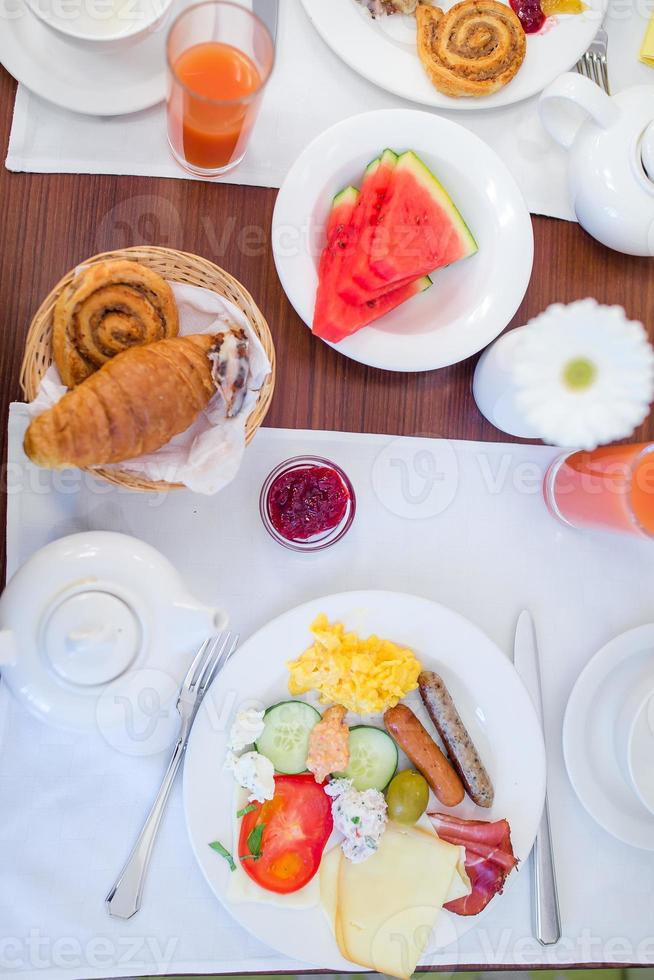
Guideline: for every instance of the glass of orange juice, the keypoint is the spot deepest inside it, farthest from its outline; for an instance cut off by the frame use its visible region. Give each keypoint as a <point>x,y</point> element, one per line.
<point>220,57</point>
<point>610,488</point>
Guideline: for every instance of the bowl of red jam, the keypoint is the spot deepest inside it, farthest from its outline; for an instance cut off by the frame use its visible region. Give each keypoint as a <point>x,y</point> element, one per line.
<point>307,503</point>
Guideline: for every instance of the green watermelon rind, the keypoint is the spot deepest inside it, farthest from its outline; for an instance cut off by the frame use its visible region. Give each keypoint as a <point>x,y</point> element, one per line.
<point>435,189</point>
<point>343,197</point>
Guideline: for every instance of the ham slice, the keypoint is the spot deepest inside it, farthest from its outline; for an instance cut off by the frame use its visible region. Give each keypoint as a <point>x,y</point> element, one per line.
<point>489,857</point>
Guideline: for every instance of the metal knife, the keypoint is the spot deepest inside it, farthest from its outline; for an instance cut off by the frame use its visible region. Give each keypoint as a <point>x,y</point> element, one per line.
<point>547,919</point>
<point>268,12</point>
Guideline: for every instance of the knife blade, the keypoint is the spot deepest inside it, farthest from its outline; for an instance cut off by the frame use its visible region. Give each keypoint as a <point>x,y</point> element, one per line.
<point>545,902</point>
<point>268,12</point>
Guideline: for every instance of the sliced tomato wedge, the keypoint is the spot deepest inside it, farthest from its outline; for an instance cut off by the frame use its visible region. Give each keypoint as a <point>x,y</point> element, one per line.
<point>285,854</point>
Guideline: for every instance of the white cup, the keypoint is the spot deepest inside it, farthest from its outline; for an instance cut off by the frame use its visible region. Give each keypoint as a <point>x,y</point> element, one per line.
<point>635,742</point>
<point>104,24</point>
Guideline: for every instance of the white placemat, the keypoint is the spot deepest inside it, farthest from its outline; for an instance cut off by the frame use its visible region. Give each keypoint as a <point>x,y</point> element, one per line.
<point>462,523</point>
<point>310,91</point>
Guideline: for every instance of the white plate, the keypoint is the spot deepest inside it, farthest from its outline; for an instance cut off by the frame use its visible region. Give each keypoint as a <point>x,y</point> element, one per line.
<point>472,301</point>
<point>588,736</point>
<point>384,51</point>
<point>113,82</point>
<point>483,683</point>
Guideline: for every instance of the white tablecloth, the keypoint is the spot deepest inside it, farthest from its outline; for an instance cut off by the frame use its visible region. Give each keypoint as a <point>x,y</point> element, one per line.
<point>310,91</point>
<point>462,523</point>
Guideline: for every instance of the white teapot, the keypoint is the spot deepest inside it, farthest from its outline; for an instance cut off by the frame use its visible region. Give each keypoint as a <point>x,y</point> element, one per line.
<point>611,171</point>
<point>85,614</point>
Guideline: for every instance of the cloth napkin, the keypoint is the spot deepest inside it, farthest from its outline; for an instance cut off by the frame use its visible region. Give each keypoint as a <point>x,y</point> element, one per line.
<point>459,522</point>
<point>647,50</point>
<point>310,90</point>
<point>207,455</point>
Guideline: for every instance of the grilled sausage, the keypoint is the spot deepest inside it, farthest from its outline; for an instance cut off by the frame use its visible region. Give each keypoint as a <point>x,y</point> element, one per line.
<point>460,747</point>
<point>423,752</point>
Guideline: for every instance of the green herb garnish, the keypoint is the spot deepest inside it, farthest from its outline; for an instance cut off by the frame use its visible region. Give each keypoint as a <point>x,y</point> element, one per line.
<point>219,849</point>
<point>356,820</point>
<point>246,809</point>
<point>254,840</point>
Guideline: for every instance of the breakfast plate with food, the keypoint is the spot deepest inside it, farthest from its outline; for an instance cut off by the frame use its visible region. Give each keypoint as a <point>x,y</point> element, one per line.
<point>472,54</point>
<point>402,240</point>
<point>363,780</point>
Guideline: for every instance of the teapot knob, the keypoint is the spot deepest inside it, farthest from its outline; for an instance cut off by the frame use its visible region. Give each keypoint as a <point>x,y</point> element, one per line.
<point>647,151</point>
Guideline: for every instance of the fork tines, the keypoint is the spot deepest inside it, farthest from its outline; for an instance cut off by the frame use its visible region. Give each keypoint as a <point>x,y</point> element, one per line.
<point>593,64</point>
<point>213,653</point>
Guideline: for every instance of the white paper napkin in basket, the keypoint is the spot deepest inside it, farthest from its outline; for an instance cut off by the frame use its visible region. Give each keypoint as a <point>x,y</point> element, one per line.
<point>207,456</point>
<point>459,522</point>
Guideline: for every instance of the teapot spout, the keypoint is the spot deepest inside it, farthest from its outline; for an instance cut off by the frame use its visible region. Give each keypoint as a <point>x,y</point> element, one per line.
<point>8,649</point>
<point>193,622</point>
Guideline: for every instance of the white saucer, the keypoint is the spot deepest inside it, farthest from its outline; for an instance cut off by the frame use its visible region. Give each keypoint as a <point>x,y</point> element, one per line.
<point>114,82</point>
<point>589,728</point>
<point>472,301</point>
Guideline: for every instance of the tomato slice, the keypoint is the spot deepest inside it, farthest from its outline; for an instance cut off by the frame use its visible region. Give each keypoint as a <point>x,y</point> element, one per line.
<point>296,826</point>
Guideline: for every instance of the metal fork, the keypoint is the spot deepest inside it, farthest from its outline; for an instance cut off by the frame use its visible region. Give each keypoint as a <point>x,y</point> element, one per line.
<point>593,64</point>
<point>124,899</point>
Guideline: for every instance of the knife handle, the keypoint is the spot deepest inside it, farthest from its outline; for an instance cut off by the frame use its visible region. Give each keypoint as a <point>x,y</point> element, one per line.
<point>547,925</point>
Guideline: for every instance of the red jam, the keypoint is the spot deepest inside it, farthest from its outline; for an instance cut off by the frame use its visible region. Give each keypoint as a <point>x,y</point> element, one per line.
<point>529,14</point>
<point>307,501</point>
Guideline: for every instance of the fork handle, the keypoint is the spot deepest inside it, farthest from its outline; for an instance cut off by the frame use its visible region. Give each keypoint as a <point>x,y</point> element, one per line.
<point>124,899</point>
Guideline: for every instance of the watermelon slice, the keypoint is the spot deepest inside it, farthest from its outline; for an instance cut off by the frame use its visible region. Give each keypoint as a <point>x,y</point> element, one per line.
<point>374,188</point>
<point>419,228</point>
<point>334,318</point>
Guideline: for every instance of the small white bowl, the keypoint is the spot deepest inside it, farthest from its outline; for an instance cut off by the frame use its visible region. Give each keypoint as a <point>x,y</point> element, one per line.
<point>635,743</point>
<point>105,24</point>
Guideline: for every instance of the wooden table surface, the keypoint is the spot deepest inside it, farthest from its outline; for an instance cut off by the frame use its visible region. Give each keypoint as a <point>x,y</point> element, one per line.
<point>52,222</point>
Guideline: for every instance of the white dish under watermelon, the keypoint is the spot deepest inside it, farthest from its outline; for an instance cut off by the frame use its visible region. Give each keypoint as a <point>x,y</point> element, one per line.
<point>384,51</point>
<point>472,301</point>
<point>482,681</point>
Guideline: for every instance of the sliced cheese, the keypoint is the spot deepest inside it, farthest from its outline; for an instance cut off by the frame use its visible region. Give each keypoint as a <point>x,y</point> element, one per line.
<point>329,867</point>
<point>387,906</point>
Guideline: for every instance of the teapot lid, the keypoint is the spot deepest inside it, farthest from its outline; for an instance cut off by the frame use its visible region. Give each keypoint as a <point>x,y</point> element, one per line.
<point>91,637</point>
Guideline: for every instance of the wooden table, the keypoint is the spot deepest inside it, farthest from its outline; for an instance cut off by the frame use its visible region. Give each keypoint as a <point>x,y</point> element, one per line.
<point>51,222</point>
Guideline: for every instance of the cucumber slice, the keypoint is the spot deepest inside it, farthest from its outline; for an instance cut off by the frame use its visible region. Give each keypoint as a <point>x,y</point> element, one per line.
<point>285,738</point>
<point>373,758</point>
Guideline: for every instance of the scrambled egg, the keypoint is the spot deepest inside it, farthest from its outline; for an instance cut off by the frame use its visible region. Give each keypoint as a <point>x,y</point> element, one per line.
<point>366,676</point>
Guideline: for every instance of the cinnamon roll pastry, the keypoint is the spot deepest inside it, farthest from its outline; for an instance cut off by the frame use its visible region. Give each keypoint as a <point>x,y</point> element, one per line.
<point>473,49</point>
<point>106,309</point>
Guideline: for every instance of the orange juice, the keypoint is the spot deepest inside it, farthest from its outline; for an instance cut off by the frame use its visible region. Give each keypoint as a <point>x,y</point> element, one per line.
<point>217,82</point>
<point>611,487</point>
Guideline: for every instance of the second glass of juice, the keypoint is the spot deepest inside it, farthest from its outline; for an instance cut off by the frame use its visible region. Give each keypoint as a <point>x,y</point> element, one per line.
<point>220,57</point>
<point>610,488</point>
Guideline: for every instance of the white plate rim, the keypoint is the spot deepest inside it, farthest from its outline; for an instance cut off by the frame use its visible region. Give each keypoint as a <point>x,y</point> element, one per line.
<point>297,270</point>
<point>21,66</point>
<point>504,97</point>
<point>307,611</point>
<point>601,664</point>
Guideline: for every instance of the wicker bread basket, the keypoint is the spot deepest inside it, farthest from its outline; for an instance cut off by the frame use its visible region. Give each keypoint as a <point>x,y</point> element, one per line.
<point>177,267</point>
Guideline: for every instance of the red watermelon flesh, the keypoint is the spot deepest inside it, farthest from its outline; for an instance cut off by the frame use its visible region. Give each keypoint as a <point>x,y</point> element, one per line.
<point>334,318</point>
<point>419,230</point>
<point>374,188</point>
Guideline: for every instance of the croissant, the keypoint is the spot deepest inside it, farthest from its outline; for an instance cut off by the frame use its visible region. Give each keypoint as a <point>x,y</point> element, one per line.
<point>106,309</point>
<point>134,404</point>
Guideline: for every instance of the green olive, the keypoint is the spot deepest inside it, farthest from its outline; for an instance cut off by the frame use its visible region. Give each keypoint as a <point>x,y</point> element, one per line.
<point>407,796</point>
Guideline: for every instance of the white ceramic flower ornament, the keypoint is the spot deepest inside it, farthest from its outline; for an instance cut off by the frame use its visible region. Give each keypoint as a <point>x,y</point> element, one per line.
<point>577,376</point>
